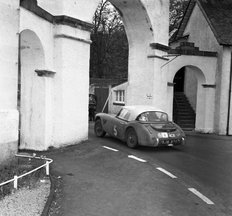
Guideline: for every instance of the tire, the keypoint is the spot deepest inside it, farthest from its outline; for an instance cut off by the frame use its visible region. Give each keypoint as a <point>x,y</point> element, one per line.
<point>131,138</point>
<point>98,129</point>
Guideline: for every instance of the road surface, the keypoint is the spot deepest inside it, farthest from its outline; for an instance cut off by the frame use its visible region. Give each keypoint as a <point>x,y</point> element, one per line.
<point>103,177</point>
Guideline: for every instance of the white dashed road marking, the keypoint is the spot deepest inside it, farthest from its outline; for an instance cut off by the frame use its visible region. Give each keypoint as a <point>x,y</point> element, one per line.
<point>136,158</point>
<point>193,190</point>
<point>166,172</point>
<point>111,149</point>
<point>201,196</point>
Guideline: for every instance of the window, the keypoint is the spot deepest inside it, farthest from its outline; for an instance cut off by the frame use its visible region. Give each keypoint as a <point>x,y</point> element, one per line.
<point>153,116</point>
<point>124,114</point>
<point>120,96</point>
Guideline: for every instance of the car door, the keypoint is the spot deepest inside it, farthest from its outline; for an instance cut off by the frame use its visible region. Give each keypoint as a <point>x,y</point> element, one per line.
<point>120,124</point>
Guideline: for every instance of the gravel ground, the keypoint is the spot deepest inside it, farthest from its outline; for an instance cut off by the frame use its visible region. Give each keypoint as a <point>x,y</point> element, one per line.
<point>26,202</point>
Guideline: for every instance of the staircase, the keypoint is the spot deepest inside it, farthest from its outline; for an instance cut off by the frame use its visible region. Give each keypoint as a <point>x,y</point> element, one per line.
<point>183,113</point>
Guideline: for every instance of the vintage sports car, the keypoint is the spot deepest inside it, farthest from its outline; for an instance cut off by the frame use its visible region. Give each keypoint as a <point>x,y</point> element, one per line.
<point>140,125</point>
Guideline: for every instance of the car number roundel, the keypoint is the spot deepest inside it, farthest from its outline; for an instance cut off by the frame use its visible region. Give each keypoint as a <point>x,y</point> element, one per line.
<point>115,130</point>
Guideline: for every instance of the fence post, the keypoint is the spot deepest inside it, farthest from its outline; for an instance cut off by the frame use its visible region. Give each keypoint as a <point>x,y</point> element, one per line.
<point>47,167</point>
<point>16,182</point>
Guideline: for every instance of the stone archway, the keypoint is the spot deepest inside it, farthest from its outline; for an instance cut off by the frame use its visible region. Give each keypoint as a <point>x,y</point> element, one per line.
<point>185,98</point>
<point>146,24</point>
<point>204,89</point>
<point>179,80</point>
<point>32,92</point>
<point>140,34</point>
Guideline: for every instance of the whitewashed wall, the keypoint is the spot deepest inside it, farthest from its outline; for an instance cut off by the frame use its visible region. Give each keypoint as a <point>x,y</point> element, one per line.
<point>80,9</point>
<point>190,87</point>
<point>202,35</point>
<point>204,69</point>
<point>54,109</point>
<point>223,101</point>
<point>71,86</point>
<point>61,101</point>
<point>37,104</point>
<point>9,22</point>
<point>115,108</point>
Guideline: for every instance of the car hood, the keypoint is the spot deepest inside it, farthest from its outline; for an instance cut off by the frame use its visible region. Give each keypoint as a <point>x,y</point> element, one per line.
<point>164,126</point>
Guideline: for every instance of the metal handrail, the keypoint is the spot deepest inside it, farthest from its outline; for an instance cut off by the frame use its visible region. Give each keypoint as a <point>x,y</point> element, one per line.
<point>15,179</point>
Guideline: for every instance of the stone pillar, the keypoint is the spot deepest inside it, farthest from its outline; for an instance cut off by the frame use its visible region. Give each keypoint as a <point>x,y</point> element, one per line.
<point>200,109</point>
<point>9,22</point>
<point>147,34</point>
<point>230,107</point>
<point>224,93</point>
<point>145,22</point>
<point>161,90</point>
<point>209,107</point>
<point>72,55</point>
<point>205,108</point>
<point>230,118</point>
<point>170,96</point>
<point>158,15</point>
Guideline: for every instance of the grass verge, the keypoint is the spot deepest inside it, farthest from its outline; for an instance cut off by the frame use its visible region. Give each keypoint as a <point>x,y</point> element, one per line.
<point>19,166</point>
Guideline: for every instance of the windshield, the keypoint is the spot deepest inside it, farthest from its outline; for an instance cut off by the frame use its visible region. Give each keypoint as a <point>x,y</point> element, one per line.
<point>153,116</point>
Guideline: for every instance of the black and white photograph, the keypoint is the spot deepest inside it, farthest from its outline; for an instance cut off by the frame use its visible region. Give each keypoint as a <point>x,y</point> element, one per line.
<point>115,107</point>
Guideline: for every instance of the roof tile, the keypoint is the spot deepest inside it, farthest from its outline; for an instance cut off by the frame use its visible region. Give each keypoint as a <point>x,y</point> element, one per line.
<point>219,15</point>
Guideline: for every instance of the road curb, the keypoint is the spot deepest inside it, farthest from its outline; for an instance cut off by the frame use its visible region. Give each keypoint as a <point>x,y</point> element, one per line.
<point>56,184</point>
<point>50,197</point>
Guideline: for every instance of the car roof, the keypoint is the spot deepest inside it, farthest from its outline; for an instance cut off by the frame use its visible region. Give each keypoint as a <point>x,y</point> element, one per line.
<point>136,110</point>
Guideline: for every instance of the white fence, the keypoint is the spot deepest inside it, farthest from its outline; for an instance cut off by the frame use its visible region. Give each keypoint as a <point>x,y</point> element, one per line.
<point>15,179</point>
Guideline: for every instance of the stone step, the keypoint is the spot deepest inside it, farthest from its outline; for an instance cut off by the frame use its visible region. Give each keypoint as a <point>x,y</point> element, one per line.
<point>188,120</point>
<point>183,113</point>
<point>188,129</point>
<point>186,123</point>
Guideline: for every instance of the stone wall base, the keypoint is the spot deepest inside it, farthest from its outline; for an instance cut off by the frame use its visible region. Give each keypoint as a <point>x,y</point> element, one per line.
<point>9,123</point>
<point>8,151</point>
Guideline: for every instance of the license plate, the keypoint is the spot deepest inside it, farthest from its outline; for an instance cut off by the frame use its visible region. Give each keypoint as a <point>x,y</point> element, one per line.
<point>172,135</point>
<point>164,135</point>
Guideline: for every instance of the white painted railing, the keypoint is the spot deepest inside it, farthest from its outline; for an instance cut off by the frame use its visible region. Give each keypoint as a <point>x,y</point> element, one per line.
<point>15,179</point>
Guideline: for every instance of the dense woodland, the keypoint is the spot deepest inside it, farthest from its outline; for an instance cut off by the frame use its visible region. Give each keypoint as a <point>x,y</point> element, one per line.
<point>109,49</point>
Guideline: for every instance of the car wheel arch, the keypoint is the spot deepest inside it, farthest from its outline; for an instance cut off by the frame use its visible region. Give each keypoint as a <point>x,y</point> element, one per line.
<point>129,131</point>
<point>98,128</point>
<point>130,128</point>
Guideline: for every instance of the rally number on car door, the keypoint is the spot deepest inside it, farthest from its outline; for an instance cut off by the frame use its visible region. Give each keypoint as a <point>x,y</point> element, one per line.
<point>115,131</point>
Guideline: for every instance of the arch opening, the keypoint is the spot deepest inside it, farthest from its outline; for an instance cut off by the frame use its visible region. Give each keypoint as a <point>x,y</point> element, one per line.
<point>188,98</point>
<point>108,55</point>
<point>140,34</point>
<point>135,37</point>
<point>31,92</point>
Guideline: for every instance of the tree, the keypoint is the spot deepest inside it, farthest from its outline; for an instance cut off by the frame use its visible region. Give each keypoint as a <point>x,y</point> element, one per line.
<point>109,49</point>
<point>177,11</point>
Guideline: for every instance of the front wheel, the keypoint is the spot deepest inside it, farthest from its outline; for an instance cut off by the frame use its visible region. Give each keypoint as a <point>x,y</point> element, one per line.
<point>98,129</point>
<point>131,138</point>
